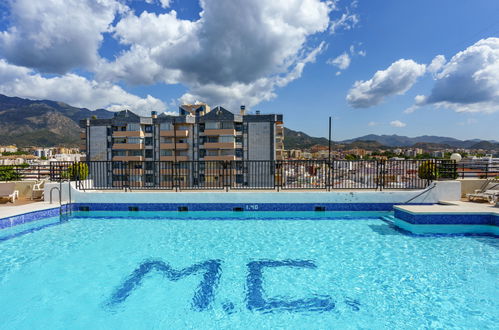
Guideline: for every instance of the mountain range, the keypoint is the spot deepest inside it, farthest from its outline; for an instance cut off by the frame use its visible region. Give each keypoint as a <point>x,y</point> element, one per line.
<point>44,123</point>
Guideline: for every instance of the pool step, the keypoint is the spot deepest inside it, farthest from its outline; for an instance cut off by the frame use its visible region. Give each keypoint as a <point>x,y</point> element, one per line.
<point>388,218</point>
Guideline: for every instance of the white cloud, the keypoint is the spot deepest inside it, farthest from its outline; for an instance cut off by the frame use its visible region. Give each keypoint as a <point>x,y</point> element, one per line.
<point>347,21</point>
<point>250,94</point>
<point>342,61</point>
<point>395,80</point>
<point>267,45</point>
<point>163,3</point>
<point>372,123</point>
<point>265,49</point>
<point>56,36</point>
<point>72,89</point>
<point>397,123</point>
<point>469,82</point>
<point>437,63</point>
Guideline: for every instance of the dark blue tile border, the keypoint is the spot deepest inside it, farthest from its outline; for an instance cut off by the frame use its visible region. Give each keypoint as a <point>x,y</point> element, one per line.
<point>28,217</point>
<point>447,218</point>
<point>231,206</point>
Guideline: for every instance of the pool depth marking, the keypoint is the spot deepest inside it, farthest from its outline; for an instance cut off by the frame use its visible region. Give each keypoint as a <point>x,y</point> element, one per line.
<point>205,292</point>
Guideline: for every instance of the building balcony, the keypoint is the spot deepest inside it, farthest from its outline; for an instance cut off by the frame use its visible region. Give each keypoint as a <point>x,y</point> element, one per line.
<point>83,135</point>
<point>128,134</point>
<point>219,145</point>
<point>128,146</point>
<point>172,158</point>
<point>175,171</point>
<point>177,133</point>
<point>173,146</point>
<point>128,158</point>
<point>82,147</point>
<point>230,131</point>
<point>220,157</point>
<point>279,145</point>
<point>279,130</point>
<point>128,171</point>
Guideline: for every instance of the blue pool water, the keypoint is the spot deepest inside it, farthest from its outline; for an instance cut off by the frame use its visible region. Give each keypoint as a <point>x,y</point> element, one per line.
<point>299,270</point>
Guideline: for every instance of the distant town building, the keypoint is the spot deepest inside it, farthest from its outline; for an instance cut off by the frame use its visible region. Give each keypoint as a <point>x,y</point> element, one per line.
<point>10,148</point>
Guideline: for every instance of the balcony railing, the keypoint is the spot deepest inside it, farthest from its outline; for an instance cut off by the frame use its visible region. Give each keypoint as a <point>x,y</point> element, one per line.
<point>128,134</point>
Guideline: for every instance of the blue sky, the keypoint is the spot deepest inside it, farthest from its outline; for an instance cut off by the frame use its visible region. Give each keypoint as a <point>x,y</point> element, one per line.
<point>365,63</point>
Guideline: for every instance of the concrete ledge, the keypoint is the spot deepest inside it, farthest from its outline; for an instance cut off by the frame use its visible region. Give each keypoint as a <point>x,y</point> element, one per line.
<point>443,190</point>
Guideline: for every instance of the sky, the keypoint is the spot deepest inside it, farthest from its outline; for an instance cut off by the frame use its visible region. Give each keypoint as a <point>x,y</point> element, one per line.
<point>401,67</point>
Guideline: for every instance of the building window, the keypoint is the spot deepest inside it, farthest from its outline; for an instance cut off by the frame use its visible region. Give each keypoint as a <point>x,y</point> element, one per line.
<point>148,141</point>
<point>166,178</point>
<point>148,153</point>
<point>135,178</point>
<point>226,139</point>
<point>133,127</point>
<point>166,153</point>
<point>212,125</point>
<point>119,153</point>
<point>227,125</point>
<point>148,128</point>
<point>166,126</point>
<point>239,127</point>
<point>134,153</point>
<point>119,140</point>
<point>135,140</point>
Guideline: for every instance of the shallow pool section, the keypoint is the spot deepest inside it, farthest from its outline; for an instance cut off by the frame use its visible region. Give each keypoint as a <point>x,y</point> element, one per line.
<point>308,270</point>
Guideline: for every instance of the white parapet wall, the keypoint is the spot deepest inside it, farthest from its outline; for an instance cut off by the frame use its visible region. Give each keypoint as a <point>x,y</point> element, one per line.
<point>442,190</point>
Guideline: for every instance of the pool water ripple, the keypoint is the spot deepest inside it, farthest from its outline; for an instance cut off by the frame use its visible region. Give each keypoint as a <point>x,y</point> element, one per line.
<point>292,274</point>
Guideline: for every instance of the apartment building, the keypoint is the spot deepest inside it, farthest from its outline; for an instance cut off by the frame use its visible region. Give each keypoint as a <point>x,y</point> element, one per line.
<point>197,141</point>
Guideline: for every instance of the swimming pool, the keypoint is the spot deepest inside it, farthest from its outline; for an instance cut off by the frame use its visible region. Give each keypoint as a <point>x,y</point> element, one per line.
<point>248,270</point>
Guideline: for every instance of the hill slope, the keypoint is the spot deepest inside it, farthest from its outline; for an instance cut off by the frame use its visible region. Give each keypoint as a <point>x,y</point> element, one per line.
<point>42,123</point>
<point>49,123</point>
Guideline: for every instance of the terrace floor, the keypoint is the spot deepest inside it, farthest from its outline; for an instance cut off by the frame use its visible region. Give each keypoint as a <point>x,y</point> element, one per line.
<point>9,209</point>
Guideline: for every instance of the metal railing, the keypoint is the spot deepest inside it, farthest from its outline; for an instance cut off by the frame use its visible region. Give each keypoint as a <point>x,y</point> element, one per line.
<point>482,169</point>
<point>254,175</point>
<point>53,171</point>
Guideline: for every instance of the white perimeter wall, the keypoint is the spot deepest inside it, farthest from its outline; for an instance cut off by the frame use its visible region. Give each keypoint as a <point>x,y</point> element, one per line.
<point>444,190</point>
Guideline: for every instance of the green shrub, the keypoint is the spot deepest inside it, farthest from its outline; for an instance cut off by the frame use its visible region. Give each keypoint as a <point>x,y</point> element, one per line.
<point>77,171</point>
<point>9,173</point>
<point>428,171</point>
